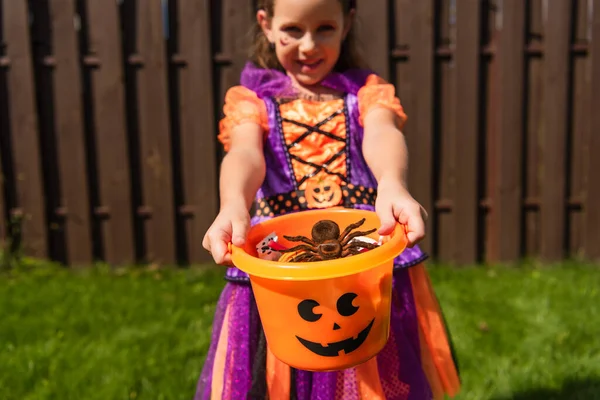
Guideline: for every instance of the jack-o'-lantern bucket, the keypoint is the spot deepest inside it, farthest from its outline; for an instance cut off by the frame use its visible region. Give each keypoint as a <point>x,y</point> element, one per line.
<point>323,315</point>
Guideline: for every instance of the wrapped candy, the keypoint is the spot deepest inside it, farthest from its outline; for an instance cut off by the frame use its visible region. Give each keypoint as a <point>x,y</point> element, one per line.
<point>366,239</point>
<point>268,248</point>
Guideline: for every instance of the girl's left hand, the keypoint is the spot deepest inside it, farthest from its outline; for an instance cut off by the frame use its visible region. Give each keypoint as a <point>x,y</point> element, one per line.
<point>395,204</point>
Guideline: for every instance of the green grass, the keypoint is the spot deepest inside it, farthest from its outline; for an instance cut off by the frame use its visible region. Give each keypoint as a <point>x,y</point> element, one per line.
<point>520,333</point>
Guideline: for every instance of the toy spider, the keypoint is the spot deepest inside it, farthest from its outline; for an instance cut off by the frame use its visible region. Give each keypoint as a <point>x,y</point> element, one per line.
<point>327,243</point>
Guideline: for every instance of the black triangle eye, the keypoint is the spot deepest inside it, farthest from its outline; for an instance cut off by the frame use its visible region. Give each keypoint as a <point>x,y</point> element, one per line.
<point>306,310</point>
<point>345,306</point>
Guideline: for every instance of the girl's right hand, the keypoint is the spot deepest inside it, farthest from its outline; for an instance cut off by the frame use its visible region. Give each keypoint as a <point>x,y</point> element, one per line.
<point>230,226</point>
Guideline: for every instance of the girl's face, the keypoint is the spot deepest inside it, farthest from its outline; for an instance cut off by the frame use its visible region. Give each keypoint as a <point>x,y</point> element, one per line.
<point>307,35</point>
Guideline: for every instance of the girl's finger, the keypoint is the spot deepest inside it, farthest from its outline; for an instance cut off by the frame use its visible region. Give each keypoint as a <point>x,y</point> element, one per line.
<point>416,229</point>
<point>219,251</point>
<point>387,219</point>
<point>206,242</point>
<point>227,260</point>
<point>424,214</point>
<point>218,248</point>
<point>240,229</point>
<point>413,239</point>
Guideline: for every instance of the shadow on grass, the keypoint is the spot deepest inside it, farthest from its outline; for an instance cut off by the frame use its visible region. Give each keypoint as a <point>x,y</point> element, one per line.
<point>572,389</point>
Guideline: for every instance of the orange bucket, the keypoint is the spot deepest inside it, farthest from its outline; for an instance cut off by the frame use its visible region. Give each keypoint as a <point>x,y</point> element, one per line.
<point>323,315</point>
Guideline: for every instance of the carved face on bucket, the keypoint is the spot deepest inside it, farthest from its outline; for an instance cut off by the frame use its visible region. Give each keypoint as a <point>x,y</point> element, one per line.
<point>341,336</point>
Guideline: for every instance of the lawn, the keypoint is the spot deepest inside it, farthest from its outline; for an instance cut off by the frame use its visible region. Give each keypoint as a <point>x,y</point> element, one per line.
<point>520,333</point>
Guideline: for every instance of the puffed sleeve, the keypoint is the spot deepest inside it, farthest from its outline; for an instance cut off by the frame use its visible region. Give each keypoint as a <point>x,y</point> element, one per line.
<point>241,105</point>
<point>378,93</point>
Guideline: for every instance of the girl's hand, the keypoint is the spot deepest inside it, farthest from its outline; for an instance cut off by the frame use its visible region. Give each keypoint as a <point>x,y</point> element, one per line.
<point>395,204</point>
<point>230,226</point>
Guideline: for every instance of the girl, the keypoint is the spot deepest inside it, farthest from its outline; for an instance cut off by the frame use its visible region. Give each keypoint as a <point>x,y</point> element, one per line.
<point>305,112</point>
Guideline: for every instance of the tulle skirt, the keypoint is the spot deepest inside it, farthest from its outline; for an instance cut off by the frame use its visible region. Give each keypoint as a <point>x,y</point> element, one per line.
<point>416,363</point>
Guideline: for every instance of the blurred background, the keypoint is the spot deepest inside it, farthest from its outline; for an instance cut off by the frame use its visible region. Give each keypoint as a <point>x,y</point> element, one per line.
<point>109,164</point>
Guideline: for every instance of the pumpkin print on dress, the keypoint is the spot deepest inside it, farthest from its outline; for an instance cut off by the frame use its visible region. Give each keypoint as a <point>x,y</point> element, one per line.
<point>322,193</point>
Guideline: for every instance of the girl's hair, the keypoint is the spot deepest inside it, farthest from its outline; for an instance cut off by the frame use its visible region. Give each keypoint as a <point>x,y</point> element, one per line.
<point>263,53</point>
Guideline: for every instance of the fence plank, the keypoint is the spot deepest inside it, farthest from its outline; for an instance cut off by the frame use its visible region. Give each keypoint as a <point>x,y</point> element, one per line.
<point>155,144</point>
<point>197,124</point>
<point>70,134</point>
<point>592,200</point>
<point>110,131</point>
<point>237,39</point>
<point>578,127</point>
<point>231,39</point>
<point>556,76</point>
<point>445,132</point>
<point>4,132</point>
<point>373,28</point>
<point>534,129</point>
<point>3,226</point>
<point>491,31</point>
<point>420,128</point>
<point>23,126</point>
<point>466,103</point>
<point>508,120</point>
<point>232,36</point>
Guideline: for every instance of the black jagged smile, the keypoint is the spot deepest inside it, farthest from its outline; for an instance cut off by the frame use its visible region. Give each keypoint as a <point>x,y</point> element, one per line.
<point>333,349</point>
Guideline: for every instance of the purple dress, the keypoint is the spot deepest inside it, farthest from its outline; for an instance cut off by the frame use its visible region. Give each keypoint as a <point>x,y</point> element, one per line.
<point>235,367</point>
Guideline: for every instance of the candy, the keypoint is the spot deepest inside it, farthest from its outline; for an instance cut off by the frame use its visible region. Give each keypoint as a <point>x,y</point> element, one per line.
<point>268,248</point>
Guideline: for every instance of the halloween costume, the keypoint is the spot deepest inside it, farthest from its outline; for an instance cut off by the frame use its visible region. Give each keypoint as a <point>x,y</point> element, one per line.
<point>313,155</point>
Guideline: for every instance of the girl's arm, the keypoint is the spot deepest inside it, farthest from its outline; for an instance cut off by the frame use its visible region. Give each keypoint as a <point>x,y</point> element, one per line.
<point>384,146</point>
<point>243,168</point>
<point>385,151</point>
<point>242,172</point>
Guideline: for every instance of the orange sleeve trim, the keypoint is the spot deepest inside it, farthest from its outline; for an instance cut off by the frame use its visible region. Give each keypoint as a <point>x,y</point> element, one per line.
<point>242,105</point>
<point>378,93</point>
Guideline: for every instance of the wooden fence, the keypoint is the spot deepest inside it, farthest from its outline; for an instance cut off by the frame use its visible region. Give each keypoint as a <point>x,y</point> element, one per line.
<point>109,109</point>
